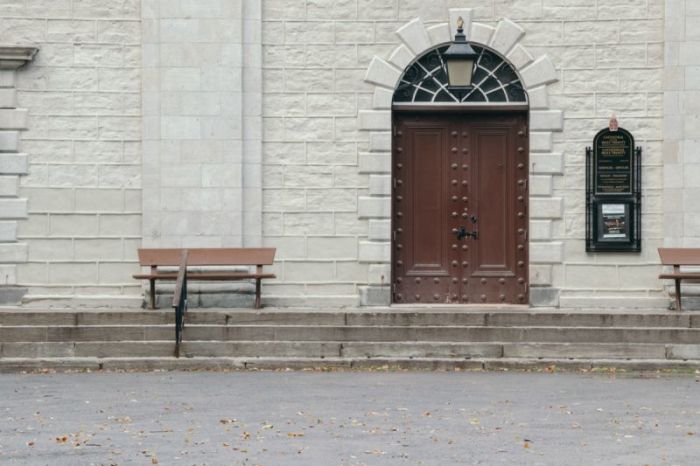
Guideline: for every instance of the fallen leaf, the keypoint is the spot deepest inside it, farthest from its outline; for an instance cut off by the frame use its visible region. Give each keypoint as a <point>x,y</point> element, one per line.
<point>154,460</point>
<point>294,434</point>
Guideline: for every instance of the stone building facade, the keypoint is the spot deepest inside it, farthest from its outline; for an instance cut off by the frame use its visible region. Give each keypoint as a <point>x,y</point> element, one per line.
<point>269,122</point>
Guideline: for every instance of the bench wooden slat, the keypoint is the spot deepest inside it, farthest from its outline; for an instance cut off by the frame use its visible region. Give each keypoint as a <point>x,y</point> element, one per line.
<point>207,256</point>
<point>684,275</point>
<point>204,276</point>
<point>680,256</point>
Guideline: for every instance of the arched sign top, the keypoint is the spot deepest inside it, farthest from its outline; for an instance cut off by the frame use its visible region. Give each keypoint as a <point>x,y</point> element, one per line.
<point>614,161</point>
<point>425,81</point>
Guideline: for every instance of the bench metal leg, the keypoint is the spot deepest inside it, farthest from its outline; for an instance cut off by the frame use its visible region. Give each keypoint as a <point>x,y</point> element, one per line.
<point>257,294</point>
<point>153,293</point>
<point>678,295</point>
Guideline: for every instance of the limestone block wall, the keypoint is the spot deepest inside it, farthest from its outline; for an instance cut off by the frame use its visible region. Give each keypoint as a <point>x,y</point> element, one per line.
<point>318,187</point>
<point>83,181</point>
<point>682,124</point>
<point>681,154</point>
<point>195,108</point>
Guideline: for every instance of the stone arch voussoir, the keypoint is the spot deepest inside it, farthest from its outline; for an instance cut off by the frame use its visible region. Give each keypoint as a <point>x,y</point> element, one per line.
<point>536,73</point>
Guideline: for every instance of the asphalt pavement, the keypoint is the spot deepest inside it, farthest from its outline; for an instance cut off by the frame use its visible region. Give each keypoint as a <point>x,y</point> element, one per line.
<point>349,418</point>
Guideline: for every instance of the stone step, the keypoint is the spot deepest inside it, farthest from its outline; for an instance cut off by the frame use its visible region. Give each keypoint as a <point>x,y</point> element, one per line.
<point>353,318</point>
<point>362,349</point>
<point>224,363</point>
<point>98,317</point>
<point>442,333</point>
<point>350,333</point>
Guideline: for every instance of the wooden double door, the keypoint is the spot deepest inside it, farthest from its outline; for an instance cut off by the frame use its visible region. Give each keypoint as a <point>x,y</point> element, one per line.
<point>460,208</point>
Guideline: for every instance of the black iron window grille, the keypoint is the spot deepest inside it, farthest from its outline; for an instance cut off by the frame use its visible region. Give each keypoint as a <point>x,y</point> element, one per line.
<point>425,81</point>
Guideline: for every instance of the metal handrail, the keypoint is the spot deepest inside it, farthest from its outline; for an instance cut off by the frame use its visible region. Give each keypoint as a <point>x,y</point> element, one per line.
<point>180,301</point>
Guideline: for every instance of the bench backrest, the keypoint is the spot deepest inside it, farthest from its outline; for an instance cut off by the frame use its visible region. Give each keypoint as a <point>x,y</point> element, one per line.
<point>680,256</point>
<point>207,256</point>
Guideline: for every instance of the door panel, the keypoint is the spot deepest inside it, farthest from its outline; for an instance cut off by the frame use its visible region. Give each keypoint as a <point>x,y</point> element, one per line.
<point>427,204</point>
<point>492,192</point>
<point>455,175</point>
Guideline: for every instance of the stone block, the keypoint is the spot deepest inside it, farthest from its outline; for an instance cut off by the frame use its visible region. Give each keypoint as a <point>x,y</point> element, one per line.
<point>540,275</point>
<point>12,253</point>
<point>382,73</point>
<point>309,271</point>
<point>541,185</point>
<point>466,14</point>
<point>379,230</point>
<point>73,273</point>
<point>10,295</point>
<point>540,230</point>
<point>481,33</point>
<point>546,253</point>
<point>374,162</point>
<point>544,297</point>
<point>9,141</point>
<point>379,274</point>
<point>592,277</point>
<point>540,72</point>
<point>8,98</point>
<point>539,98</point>
<point>70,225</point>
<point>382,98</point>
<point>332,248</point>
<point>547,164</point>
<point>374,207</point>
<point>540,141</point>
<point>684,352</point>
<point>380,185</point>
<point>546,208</point>
<point>13,208</point>
<point>375,296</point>
<point>380,141</point>
<point>546,120</point>
<point>13,118</point>
<point>520,57</point>
<point>439,34</point>
<point>506,36</point>
<point>374,120</point>
<point>116,272</point>
<point>7,78</point>
<point>401,57</point>
<point>374,251</point>
<point>9,186</point>
<point>13,164</point>
<point>8,232</point>
<point>8,274</point>
<point>99,200</point>
<point>415,36</point>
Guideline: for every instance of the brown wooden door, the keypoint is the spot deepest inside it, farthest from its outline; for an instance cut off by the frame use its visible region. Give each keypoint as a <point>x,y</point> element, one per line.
<point>460,208</point>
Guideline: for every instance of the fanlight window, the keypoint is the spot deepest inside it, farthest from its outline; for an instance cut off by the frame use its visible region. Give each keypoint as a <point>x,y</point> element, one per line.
<point>425,81</point>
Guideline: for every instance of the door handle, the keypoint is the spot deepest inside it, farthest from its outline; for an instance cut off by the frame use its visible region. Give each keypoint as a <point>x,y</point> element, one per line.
<point>462,233</point>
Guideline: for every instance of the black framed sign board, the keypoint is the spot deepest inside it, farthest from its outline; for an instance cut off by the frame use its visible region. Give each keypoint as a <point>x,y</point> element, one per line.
<point>613,192</point>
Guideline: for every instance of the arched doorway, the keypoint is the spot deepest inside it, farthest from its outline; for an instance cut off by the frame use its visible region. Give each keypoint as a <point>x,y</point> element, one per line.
<point>460,185</point>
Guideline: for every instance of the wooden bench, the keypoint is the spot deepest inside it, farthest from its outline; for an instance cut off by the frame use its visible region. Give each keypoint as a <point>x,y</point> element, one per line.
<point>207,257</point>
<point>678,257</point>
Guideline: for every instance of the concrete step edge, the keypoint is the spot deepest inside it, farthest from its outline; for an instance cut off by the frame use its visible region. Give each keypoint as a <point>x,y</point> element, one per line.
<point>227,363</point>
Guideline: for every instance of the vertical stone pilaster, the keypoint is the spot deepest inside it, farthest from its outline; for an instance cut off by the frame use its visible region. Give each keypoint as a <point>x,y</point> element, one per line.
<point>252,123</point>
<point>202,130</point>
<point>13,164</point>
